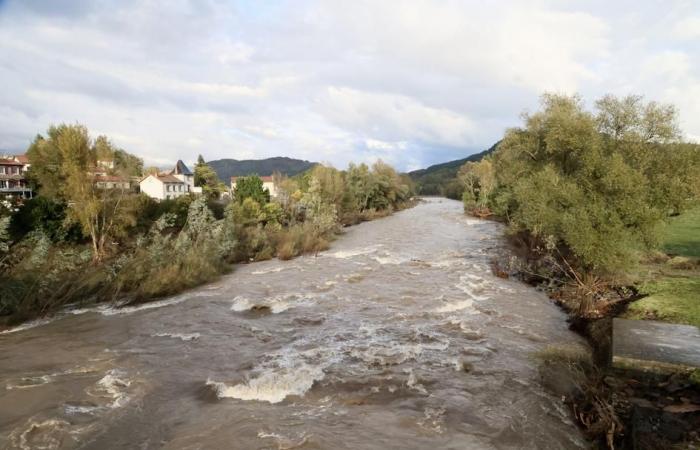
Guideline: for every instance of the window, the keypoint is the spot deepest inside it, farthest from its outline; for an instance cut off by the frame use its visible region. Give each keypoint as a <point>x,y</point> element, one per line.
<point>180,188</point>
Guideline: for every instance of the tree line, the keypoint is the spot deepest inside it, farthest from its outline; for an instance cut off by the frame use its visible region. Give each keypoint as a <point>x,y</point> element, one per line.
<point>587,190</point>
<point>79,242</point>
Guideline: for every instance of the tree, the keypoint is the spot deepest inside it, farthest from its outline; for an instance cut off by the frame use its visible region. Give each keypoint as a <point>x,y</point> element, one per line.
<point>593,185</point>
<point>207,179</point>
<point>321,214</point>
<point>62,166</point>
<point>251,187</point>
<point>479,181</point>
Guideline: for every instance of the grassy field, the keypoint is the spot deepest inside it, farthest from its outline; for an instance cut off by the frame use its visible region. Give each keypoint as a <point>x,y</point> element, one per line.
<point>673,284</point>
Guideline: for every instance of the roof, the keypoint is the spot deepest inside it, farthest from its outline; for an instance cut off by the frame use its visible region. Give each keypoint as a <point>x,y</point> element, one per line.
<point>9,162</point>
<point>266,179</point>
<point>22,159</point>
<point>167,178</point>
<point>181,169</point>
<point>164,178</point>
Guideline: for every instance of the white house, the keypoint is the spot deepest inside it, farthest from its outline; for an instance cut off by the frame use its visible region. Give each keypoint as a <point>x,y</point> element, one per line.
<point>170,185</point>
<point>268,183</point>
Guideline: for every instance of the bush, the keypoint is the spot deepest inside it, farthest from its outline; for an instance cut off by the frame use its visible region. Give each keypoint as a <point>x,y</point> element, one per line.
<point>45,215</point>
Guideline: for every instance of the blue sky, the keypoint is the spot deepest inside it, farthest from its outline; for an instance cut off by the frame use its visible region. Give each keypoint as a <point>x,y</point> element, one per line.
<point>411,82</point>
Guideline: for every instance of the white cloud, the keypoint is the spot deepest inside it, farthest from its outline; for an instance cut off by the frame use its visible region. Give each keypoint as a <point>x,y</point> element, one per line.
<point>413,82</point>
<point>687,28</point>
<point>395,117</point>
<point>376,144</point>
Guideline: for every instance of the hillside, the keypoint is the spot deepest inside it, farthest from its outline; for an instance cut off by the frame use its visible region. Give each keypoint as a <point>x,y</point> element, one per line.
<point>440,179</point>
<point>227,168</point>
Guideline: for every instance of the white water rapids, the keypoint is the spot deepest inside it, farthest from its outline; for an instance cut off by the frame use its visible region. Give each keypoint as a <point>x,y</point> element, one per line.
<point>398,336</point>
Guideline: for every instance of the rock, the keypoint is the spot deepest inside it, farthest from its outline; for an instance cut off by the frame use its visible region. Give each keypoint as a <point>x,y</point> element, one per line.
<point>467,366</point>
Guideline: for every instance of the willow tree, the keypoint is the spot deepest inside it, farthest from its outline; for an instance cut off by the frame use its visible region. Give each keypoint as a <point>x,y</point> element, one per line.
<point>595,185</point>
<point>479,181</point>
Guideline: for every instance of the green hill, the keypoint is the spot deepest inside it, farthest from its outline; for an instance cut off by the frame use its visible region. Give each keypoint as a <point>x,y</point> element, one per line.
<point>227,168</point>
<point>441,179</point>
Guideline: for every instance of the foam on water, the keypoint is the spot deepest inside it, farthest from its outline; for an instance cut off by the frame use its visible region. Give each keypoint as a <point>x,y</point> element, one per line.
<point>472,285</point>
<point>265,271</point>
<point>73,410</point>
<point>29,382</point>
<point>181,336</point>
<point>272,386</point>
<point>46,435</point>
<point>388,259</point>
<point>345,254</point>
<point>113,386</point>
<point>413,382</point>
<point>457,306</point>
<point>113,310</point>
<point>276,304</point>
<point>26,326</point>
<point>284,442</point>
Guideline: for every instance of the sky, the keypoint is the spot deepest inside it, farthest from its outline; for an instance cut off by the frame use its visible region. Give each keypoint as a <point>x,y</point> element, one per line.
<point>413,82</point>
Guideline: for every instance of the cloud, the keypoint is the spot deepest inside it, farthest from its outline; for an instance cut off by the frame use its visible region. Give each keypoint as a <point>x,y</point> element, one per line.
<point>687,28</point>
<point>395,117</point>
<point>412,82</point>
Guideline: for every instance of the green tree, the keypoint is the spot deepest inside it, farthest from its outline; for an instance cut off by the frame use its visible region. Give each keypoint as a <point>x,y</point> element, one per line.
<point>478,180</point>
<point>207,178</point>
<point>592,186</point>
<point>251,187</point>
<point>62,165</point>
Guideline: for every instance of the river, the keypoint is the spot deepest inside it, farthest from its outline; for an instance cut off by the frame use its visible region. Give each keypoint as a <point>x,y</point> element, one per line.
<point>397,337</point>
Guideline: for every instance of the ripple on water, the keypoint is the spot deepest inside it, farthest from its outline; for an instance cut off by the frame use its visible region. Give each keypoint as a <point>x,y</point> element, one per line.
<point>40,434</point>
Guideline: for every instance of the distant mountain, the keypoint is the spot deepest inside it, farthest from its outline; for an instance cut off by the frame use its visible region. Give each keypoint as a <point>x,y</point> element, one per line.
<point>227,168</point>
<point>441,179</point>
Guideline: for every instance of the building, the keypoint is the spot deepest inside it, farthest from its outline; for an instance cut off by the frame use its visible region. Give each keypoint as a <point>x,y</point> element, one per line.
<point>183,173</point>
<point>170,185</point>
<point>103,181</point>
<point>268,183</point>
<point>163,186</point>
<point>13,181</point>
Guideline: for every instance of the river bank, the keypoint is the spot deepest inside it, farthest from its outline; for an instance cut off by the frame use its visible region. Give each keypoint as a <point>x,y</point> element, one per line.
<point>96,284</point>
<point>627,408</point>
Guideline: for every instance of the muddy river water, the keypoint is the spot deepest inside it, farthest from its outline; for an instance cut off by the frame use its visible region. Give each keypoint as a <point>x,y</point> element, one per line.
<point>397,337</point>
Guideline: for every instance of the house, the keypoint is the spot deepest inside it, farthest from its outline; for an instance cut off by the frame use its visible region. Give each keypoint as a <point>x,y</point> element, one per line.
<point>170,185</point>
<point>23,160</point>
<point>13,181</point>
<point>268,183</point>
<point>182,172</point>
<point>104,181</point>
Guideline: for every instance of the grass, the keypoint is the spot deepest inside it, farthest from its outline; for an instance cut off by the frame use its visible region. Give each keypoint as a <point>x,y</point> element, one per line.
<point>673,285</point>
<point>682,236</point>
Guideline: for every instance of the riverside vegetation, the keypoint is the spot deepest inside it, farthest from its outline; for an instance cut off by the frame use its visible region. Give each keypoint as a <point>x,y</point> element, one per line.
<point>76,243</point>
<point>603,208</point>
